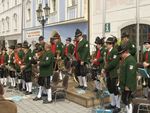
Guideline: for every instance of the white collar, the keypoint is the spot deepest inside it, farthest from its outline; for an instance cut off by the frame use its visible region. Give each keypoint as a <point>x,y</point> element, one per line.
<point>110,49</point>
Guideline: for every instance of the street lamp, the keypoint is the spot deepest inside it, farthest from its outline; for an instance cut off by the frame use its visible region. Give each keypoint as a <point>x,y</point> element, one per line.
<point>40,17</point>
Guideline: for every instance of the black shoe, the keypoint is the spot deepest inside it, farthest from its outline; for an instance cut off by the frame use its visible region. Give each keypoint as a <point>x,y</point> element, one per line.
<point>79,86</point>
<point>10,87</point>
<point>36,99</point>
<point>110,107</point>
<point>47,102</point>
<point>116,110</point>
<point>29,93</point>
<point>84,88</point>
<point>26,92</point>
<point>95,90</point>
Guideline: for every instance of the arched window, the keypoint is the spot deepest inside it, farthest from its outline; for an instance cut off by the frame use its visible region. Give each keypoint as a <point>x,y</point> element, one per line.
<point>3,4</point>
<point>28,10</point>
<point>53,5</point>
<point>7,4</point>
<point>144,32</point>
<point>15,21</point>
<point>15,2</point>
<point>3,25</point>
<point>7,23</point>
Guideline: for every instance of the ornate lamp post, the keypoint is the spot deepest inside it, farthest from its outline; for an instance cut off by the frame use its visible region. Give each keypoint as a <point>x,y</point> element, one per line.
<point>43,18</point>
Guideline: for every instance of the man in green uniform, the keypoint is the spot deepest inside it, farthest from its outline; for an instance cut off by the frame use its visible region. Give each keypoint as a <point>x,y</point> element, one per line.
<point>3,63</point>
<point>58,49</point>
<point>59,44</point>
<point>131,46</point>
<point>146,64</point>
<point>127,77</point>
<point>12,65</point>
<point>68,52</point>
<point>18,54</point>
<point>46,60</point>
<point>97,62</point>
<point>83,59</point>
<point>27,68</point>
<point>41,41</point>
<point>111,64</point>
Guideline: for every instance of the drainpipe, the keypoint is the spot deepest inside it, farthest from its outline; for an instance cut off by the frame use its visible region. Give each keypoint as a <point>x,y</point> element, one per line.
<point>137,28</point>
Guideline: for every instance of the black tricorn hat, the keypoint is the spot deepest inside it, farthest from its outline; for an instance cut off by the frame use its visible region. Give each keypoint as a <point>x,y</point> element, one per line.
<point>12,47</point>
<point>110,40</point>
<point>19,45</point>
<point>56,35</point>
<point>4,49</point>
<point>78,33</point>
<point>125,34</point>
<point>68,39</point>
<point>122,48</point>
<point>98,40</point>
<point>147,41</point>
<point>39,49</point>
<point>26,46</point>
<point>41,38</point>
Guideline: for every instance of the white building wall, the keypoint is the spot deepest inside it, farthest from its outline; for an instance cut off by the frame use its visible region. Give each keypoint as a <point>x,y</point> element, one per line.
<point>119,13</point>
<point>10,8</point>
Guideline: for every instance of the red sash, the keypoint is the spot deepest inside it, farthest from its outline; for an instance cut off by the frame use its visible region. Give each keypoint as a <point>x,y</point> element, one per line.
<point>98,55</point>
<point>75,52</point>
<point>146,56</point>
<point>53,48</point>
<point>108,53</point>
<point>18,60</point>
<point>66,50</point>
<point>2,59</point>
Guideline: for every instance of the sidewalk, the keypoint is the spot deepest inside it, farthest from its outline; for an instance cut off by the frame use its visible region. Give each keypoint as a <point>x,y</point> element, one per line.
<point>25,104</point>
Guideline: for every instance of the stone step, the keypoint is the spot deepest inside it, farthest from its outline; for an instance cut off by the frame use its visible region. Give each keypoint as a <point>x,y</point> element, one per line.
<point>85,98</point>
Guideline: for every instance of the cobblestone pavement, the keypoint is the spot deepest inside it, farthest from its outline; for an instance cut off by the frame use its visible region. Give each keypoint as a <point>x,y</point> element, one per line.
<point>25,104</point>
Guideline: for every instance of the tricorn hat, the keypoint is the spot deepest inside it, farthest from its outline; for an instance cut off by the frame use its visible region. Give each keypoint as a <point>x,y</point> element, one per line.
<point>26,46</point>
<point>98,40</point>
<point>39,49</point>
<point>56,35</point>
<point>12,47</point>
<point>122,48</point>
<point>147,41</point>
<point>78,33</point>
<point>68,39</point>
<point>110,40</point>
<point>4,49</point>
<point>41,38</point>
<point>19,45</point>
<point>125,34</point>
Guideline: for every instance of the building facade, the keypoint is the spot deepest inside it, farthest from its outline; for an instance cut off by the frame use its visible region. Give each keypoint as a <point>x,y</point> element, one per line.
<point>65,17</point>
<point>10,22</point>
<point>119,16</point>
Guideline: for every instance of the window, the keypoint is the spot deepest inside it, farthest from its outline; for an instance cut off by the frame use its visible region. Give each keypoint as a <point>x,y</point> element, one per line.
<point>15,2</point>
<point>15,21</point>
<point>29,14</point>
<point>7,4</point>
<point>28,10</point>
<point>7,22</point>
<point>72,3</point>
<point>3,4</point>
<point>3,25</point>
<point>53,6</point>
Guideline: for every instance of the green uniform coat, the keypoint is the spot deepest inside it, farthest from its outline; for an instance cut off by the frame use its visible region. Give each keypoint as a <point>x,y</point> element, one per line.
<point>20,55</point>
<point>70,51</point>
<point>46,64</point>
<point>132,48</point>
<point>112,61</point>
<point>59,47</point>
<point>144,60</point>
<point>128,70</point>
<point>83,50</point>
<point>27,61</point>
